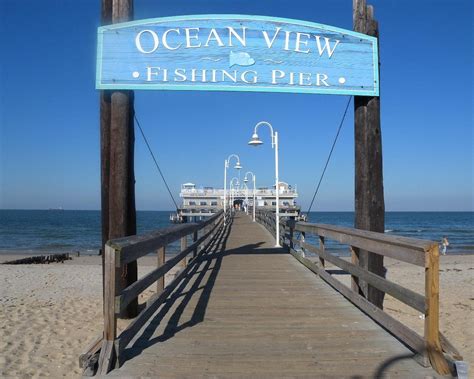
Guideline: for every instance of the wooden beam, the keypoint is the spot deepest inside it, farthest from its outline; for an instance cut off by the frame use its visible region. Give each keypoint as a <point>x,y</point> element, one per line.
<point>376,242</point>
<point>402,332</point>
<point>405,295</point>
<point>160,284</point>
<point>369,196</point>
<point>120,202</point>
<point>433,345</point>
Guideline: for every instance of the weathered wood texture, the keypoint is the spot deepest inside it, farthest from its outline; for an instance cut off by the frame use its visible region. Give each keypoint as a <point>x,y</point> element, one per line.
<point>117,159</point>
<point>116,298</point>
<point>247,310</point>
<point>419,252</point>
<point>369,196</point>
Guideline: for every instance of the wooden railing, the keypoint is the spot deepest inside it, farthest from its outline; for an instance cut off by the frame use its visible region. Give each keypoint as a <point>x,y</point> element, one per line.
<point>429,347</point>
<point>118,253</point>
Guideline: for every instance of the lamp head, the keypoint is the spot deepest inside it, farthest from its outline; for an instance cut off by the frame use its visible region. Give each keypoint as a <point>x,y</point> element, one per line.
<point>245,180</point>
<point>255,141</point>
<point>238,166</point>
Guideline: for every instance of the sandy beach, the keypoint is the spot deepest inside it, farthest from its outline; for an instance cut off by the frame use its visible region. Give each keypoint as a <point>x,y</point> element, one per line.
<point>50,313</point>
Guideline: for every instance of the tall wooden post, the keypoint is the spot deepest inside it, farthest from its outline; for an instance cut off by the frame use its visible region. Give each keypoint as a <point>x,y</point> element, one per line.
<point>106,18</point>
<point>369,196</point>
<point>117,160</point>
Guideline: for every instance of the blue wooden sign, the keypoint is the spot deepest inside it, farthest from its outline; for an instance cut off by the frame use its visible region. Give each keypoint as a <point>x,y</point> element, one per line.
<point>236,53</point>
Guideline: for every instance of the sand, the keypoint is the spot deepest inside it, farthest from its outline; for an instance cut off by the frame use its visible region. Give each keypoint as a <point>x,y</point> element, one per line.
<point>50,313</point>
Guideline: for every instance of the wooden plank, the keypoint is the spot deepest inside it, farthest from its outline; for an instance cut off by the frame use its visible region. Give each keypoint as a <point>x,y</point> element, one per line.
<point>367,241</point>
<point>184,247</point>
<point>131,292</point>
<point>433,345</point>
<point>160,284</point>
<point>127,335</point>
<point>405,334</point>
<point>134,247</point>
<point>243,312</point>
<point>353,56</point>
<point>389,239</point>
<point>111,290</point>
<point>322,248</point>
<point>448,348</point>
<point>405,295</point>
<point>107,357</point>
<point>90,351</point>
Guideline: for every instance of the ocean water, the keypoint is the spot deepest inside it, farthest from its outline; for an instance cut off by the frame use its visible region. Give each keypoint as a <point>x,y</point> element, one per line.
<point>42,231</point>
<point>457,226</point>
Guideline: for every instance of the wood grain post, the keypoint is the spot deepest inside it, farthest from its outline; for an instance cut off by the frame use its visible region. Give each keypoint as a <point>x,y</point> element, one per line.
<point>121,199</point>
<point>195,238</point>
<point>432,341</point>
<point>322,248</point>
<point>108,354</point>
<point>369,196</point>
<point>160,284</point>
<point>105,107</point>
<point>184,245</point>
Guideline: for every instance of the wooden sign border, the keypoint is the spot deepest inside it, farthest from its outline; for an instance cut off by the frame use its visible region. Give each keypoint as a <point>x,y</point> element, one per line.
<point>255,88</point>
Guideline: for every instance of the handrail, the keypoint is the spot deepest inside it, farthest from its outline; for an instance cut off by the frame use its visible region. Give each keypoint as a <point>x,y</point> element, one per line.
<point>121,251</point>
<point>414,251</point>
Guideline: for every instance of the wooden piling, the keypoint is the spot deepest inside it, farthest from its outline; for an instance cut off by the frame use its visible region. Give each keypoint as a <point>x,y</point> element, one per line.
<point>369,196</point>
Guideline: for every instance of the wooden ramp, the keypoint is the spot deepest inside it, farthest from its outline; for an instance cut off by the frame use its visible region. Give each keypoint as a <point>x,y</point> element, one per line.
<point>247,310</point>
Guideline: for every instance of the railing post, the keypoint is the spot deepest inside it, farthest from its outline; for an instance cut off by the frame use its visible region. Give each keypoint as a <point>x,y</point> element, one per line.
<point>184,245</point>
<point>433,345</point>
<point>195,238</point>
<point>322,248</point>
<point>108,353</point>
<point>160,284</point>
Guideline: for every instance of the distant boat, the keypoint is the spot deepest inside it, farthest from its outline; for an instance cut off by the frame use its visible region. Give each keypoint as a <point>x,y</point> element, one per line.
<point>56,209</point>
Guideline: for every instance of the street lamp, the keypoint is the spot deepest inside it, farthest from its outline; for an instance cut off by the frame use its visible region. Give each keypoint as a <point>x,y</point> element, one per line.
<point>226,166</point>
<point>254,190</point>
<point>232,190</point>
<point>255,141</point>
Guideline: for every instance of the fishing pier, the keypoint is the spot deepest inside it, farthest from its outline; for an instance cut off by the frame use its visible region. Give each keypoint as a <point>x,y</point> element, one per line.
<point>254,296</point>
<point>239,307</point>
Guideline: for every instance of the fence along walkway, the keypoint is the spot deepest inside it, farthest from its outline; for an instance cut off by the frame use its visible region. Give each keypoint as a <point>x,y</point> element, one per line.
<point>246,309</point>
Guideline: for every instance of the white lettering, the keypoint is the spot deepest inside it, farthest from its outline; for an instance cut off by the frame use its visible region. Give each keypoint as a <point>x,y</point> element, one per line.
<point>327,46</point>
<point>299,42</point>
<point>149,72</point>
<point>267,40</point>
<point>287,40</point>
<point>292,78</point>
<point>277,74</point>
<point>226,74</point>
<point>304,79</point>
<point>215,37</point>
<point>193,75</point>
<point>321,78</point>
<point>253,79</point>
<point>165,39</point>
<point>190,37</point>
<point>138,42</point>
<point>242,39</point>
<point>181,72</point>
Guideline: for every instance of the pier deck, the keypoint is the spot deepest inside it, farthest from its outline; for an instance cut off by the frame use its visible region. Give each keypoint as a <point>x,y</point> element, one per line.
<point>248,310</point>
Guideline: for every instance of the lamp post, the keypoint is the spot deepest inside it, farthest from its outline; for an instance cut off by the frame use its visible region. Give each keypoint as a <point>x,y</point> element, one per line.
<point>232,190</point>
<point>254,191</point>
<point>255,141</point>
<point>226,166</point>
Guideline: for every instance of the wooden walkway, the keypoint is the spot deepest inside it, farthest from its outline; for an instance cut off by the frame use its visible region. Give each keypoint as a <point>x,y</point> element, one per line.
<point>247,310</point>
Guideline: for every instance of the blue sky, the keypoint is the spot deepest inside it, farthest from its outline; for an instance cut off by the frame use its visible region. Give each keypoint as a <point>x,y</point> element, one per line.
<point>49,129</point>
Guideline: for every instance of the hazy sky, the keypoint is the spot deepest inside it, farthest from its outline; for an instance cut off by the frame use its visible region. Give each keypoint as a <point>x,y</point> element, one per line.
<point>49,110</point>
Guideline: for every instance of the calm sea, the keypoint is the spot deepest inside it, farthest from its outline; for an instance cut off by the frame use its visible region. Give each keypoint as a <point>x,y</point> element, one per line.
<point>67,231</point>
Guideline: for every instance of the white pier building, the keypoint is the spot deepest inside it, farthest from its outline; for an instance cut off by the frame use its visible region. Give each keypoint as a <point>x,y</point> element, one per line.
<point>205,201</point>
